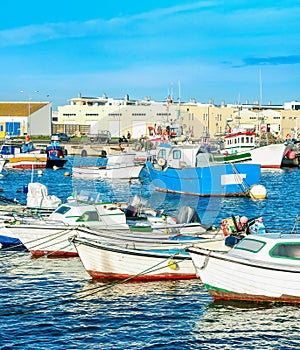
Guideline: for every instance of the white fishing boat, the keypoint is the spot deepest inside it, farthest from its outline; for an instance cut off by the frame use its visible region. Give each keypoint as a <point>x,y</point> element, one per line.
<point>241,146</point>
<point>50,235</point>
<point>118,166</point>
<point>260,268</point>
<point>114,261</point>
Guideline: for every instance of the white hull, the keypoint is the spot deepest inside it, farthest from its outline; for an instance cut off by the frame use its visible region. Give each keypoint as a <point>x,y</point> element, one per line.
<point>94,172</point>
<point>230,277</point>
<point>41,240</point>
<point>112,261</point>
<point>269,156</point>
<point>54,240</point>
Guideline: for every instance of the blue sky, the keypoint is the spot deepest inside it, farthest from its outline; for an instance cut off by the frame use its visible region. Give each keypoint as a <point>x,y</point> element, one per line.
<point>216,49</point>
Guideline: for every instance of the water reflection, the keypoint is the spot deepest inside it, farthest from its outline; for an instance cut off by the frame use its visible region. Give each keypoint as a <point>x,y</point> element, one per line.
<point>248,326</point>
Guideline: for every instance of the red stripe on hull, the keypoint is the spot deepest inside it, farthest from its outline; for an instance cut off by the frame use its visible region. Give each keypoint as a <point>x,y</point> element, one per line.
<point>271,166</point>
<point>255,298</point>
<point>59,254</point>
<point>35,166</point>
<point>161,277</point>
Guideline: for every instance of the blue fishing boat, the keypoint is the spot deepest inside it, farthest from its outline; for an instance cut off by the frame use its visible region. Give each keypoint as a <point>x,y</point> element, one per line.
<point>55,155</point>
<point>187,169</point>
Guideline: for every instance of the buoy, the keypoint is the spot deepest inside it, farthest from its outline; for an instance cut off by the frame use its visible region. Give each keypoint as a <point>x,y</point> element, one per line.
<point>1,189</point>
<point>55,167</point>
<point>291,154</point>
<point>40,172</point>
<point>161,162</point>
<point>67,173</point>
<point>172,265</point>
<point>258,192</point>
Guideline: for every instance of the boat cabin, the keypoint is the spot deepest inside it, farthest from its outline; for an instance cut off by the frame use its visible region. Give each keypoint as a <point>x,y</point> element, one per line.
<point>101,215</point>
<point>239,141</point>
<point>183,156</point>
<point>284,248</point>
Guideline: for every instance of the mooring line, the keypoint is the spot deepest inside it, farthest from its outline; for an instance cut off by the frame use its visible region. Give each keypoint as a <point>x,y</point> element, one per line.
<point>35,259</point>
<point>93,290</point>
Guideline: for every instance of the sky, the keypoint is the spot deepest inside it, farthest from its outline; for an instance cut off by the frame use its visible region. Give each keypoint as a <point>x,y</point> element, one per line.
<point>230,51</point>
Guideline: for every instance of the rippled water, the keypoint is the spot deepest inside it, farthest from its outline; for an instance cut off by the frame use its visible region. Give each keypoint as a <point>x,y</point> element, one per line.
<point>53,304</point>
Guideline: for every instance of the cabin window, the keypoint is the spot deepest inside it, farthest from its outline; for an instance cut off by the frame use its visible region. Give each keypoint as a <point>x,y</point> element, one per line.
<point>162,154</point>
<point>242,140</point>
<point>89,216</point>
<point>286,251</point>
<point>177,154</point>
<point>251,245</point>
<point>247,139</point>
<point>251,139</point>
<point>62,210</point>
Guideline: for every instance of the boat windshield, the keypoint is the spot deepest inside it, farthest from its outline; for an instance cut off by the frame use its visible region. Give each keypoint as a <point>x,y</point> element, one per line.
<point>62,210</point>
<point>287,250</point>
<point>88,197</point>
<point>250,245</point>
<point>89,216</point>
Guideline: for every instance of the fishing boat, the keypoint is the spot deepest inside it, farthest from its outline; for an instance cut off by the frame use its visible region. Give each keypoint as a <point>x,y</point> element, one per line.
<point>241,146</point>
<point>25,156</point>
<point>105,260</point>
<point>186,169</point>
<point>50,235</point>
<point>55,155</point>
<point>260,268</point>
<point>118,166</point>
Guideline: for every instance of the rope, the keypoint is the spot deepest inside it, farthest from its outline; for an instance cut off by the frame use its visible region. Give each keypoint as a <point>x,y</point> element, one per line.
<point>94,290</point>
<point>243,183</point>
<point>33,260</point>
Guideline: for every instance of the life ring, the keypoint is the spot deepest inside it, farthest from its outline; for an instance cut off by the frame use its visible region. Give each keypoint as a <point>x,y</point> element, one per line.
<point>161,162</point>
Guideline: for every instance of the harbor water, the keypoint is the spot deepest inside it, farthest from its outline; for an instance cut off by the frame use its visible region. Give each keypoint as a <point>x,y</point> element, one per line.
<point>54,304</point>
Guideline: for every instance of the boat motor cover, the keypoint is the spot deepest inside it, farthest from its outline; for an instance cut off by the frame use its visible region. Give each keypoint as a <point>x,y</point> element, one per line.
<point>37,197</point>
<point>187,214</point>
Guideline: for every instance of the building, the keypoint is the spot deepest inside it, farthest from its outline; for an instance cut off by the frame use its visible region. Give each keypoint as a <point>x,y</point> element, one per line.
<point>90,115</point>
<point>22,118</point>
